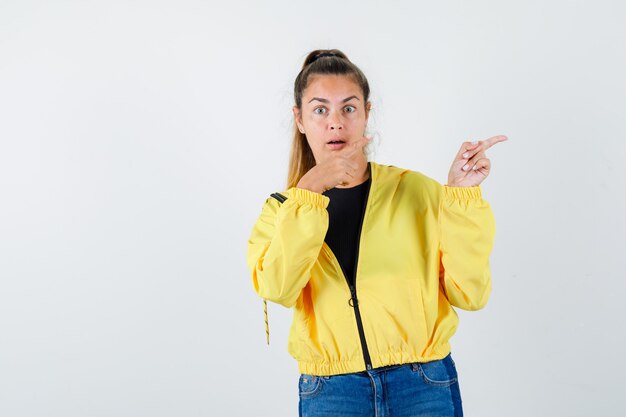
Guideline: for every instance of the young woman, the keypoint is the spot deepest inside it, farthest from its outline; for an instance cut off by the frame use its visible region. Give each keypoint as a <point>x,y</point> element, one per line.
<point>371,257</point>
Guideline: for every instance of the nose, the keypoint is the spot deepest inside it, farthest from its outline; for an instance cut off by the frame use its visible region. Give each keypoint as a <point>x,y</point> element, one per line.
<point>334,122</point>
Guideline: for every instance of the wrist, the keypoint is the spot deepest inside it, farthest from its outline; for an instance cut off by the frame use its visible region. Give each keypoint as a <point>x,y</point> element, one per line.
<point>306,186</point>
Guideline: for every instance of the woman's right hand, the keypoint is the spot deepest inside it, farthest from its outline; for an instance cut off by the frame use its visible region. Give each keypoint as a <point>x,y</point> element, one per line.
<point>341,168</point>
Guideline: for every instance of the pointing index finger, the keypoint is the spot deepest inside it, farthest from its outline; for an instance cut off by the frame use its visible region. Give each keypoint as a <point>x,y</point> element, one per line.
<point>488,143</point>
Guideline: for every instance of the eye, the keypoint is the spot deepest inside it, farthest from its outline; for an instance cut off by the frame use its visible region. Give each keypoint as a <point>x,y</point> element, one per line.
<point>350,109</point>
<point>322,110</point>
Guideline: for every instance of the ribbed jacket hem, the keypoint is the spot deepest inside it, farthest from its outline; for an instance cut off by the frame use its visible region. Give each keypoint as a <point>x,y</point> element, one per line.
<point>331,368</point>
<point>327,368</point>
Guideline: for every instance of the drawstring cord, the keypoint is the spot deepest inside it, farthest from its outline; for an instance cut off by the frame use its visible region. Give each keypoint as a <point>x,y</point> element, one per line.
<point>267,326</point>
<point>281,199</point>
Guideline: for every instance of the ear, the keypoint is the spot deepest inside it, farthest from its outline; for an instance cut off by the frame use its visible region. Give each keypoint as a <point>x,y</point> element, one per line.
<point>368,107</point>
<point>297,115</point>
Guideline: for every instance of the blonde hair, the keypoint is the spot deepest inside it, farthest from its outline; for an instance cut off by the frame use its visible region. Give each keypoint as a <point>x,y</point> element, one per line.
<point>320,61</point>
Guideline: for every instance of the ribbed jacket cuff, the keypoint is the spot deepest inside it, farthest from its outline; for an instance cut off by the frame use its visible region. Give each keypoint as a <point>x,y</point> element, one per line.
<point>307,196</point>
<point>462,193</point>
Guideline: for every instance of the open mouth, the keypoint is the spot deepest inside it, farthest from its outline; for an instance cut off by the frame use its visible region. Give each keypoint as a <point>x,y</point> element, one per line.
<point>336,141</point>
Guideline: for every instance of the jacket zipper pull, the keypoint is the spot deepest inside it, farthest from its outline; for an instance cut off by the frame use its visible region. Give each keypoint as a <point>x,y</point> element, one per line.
<point>353,301</point>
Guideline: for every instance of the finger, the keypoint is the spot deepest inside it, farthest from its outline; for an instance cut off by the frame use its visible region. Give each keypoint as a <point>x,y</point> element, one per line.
<point>465,150</point>
<point>488,143</point>
<point>349,164</point>
<point>356,146</point>
<point>470,157</point>
<point>468,150</point>
<point>483,166</point>
<point>483,145</point>
<point>468,165</point>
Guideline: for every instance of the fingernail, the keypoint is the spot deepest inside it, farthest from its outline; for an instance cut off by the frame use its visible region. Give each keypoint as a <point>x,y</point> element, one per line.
<point>475,142</point>
<point>466,154</point>
<point>466,167</point>
<point>474,168</point>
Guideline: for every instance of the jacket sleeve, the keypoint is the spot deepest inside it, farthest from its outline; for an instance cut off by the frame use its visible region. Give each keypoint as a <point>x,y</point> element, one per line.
<point>285,243</point>
<point>466,236</point>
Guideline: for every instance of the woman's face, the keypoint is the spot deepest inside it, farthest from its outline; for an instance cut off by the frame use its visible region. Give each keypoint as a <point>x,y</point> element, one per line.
<point>332,109</point>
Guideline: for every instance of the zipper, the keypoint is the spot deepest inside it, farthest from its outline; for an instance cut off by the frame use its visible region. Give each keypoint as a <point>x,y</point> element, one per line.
<point>354,301</point>
<point>357,312</point>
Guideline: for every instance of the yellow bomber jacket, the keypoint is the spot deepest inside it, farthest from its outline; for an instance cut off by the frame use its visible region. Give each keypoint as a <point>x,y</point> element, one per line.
<point>423,248</point>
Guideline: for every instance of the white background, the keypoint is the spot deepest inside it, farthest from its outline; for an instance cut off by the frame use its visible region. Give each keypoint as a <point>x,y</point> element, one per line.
<point>139,140</point>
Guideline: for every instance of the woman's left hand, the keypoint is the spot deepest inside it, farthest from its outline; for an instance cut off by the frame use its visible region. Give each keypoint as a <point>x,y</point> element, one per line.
<point>471,166</point>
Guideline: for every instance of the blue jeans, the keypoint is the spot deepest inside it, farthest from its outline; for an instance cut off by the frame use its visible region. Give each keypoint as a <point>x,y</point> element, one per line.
<point>424,389</point>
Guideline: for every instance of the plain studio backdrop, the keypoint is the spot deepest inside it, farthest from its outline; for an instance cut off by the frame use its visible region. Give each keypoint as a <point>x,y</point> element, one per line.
<point>139,141</point>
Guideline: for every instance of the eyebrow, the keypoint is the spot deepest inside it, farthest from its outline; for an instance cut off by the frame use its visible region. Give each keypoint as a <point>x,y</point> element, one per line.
<point>323,100</point>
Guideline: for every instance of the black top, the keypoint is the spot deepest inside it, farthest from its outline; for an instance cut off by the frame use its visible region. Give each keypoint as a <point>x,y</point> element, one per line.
<point>345,211</point>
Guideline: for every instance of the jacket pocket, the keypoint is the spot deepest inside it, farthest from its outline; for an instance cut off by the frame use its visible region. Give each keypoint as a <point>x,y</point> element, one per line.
<point>440,373</point>
<point>309,385</point>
